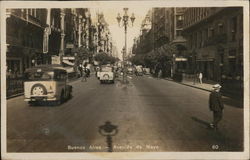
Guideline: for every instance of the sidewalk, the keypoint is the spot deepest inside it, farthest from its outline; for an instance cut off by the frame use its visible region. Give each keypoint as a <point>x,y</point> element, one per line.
<point>207,86</point>
<point>189,82</point>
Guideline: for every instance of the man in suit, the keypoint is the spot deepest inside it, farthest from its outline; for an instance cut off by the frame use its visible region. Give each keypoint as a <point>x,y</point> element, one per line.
<point>216,106</point>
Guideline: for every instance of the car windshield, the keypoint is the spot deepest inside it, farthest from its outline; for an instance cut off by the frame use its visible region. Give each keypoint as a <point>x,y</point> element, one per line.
<point>106,69</point>
<point>39,76</point>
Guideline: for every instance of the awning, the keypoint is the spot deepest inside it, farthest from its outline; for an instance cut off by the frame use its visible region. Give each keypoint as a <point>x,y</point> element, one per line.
<point>68,62</point>
<point>69,69</point>
<point>179,59</point>
<point>69,58</point>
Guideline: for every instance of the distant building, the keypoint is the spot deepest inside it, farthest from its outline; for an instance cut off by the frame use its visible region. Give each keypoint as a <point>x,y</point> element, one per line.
<point>215,41</point>
<point>144,43</point>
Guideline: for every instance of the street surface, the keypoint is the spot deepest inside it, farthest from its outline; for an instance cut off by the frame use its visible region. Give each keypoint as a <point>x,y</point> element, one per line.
<point>151,115</point>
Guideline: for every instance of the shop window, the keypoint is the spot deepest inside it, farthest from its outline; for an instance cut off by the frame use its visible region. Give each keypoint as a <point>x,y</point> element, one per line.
<point>13,66</point>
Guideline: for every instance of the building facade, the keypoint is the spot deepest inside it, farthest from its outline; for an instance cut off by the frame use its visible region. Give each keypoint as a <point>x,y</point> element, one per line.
<point>24,39</point>
<point>52,36</point>
<point>215,41</point>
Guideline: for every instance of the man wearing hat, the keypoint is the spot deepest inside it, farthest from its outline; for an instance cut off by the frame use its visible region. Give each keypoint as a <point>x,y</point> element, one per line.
<point>216,105</point>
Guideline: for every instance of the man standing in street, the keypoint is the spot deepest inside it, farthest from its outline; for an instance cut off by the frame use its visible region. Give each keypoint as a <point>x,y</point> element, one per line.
<point>216,105</point>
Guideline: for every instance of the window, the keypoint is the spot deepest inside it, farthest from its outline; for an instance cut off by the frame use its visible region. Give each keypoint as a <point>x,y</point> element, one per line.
<point>232,52</point>
<point>220,28</point>
<point>201,39</point>
<point>211,32</point>
<point>178,33</point>
<point>191,41</point>
<point>222,58</point>
<point>39,76</point>
<point>205,34</point>
<point>232,66</point>
<point>179,19</point>
<point>195,40</point>
<point>233,28</point>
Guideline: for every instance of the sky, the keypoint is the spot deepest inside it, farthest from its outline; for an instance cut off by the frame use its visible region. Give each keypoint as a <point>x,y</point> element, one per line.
<point>118,35</point>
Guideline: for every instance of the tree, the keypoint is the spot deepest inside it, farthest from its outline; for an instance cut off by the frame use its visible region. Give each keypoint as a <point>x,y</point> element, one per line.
<point>137,59</point>
<point>104,58</point>
<point>82,54</point>
<point>158,59</point>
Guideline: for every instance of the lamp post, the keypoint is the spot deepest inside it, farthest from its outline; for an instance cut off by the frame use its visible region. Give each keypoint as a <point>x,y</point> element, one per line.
<point>125,20</point>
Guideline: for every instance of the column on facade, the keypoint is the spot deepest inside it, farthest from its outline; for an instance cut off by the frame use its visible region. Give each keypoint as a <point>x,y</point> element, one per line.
<point>79,30</point>
<point>62,16</point>
<point>87,33</point>
<point>47,32</point>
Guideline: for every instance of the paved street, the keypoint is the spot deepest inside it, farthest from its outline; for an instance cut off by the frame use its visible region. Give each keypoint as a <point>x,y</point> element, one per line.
<point>150,115</point>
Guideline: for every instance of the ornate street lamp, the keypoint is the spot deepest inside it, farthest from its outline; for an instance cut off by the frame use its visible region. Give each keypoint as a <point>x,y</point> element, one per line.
<point>125,20</point>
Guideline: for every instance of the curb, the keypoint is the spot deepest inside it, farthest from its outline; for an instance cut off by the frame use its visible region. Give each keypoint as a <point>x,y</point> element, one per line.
<point>189,85</point>
<point>16,95</point>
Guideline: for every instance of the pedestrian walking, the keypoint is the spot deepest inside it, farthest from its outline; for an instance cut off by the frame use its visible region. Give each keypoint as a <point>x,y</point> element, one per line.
<point>80,69</point>
<point>216,106</point>
<point>200,77</point>
<point>84,75</point>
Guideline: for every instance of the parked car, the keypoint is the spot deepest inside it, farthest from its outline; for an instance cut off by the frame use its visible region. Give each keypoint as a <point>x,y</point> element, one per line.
<point>107,75</point>
<point>130,70</point>
<point>146,71</point>
<point>138,71</point>
<point>46,83</point>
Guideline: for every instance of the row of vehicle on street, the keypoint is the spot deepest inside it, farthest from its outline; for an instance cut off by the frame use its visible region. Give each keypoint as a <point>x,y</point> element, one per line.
<point>49,83</point>
<point>108,73</point>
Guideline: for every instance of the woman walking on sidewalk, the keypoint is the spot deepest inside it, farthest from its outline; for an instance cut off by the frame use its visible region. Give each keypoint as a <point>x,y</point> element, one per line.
<point>200,77</point>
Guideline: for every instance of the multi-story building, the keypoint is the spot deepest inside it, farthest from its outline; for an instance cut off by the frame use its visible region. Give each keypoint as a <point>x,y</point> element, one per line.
<point>215,41</point>
<point>159,27</point>
<point>144,43</point>
<point>174,29</point>
<point>166,28</point>
<point>102,37</point>
<point>34,36</point>
<point>24,39</point>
